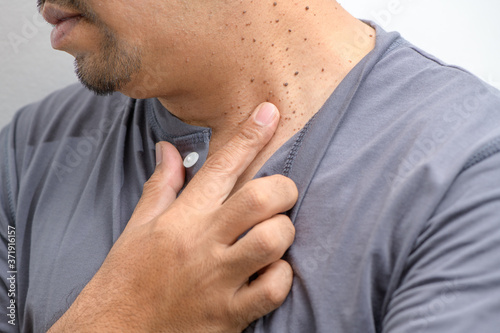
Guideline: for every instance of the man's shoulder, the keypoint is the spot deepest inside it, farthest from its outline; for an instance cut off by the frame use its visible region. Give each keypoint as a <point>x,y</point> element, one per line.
<point>65,110</point>
<point>420,97</point>
<point>405,112</point>
<point>70,102</point>
<point>409,70</point>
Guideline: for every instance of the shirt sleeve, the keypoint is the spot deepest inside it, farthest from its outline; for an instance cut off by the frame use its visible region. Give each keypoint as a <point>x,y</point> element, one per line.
<point>451,281</point>
<point>8,235</point>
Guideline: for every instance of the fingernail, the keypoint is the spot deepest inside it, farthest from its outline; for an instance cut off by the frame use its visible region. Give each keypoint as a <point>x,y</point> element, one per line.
<point>266,113</point>
<point>159,154</point>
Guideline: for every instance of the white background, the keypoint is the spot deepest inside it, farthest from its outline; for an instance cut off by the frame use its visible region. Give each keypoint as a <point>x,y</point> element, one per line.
<point>460,32</point>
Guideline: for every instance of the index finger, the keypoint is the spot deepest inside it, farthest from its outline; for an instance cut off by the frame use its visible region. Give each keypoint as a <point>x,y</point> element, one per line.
<point>216,179</point>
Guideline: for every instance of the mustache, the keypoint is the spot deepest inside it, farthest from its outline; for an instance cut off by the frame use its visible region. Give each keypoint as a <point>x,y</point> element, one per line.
<point>40,4</point>
<point>65,3</point>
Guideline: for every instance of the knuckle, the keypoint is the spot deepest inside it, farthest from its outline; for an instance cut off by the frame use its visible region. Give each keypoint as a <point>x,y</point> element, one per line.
<point>267,246</point>
<point>273,295</point>
<point>255,197</point>
<point>220,162</point>
<point>250,135</point>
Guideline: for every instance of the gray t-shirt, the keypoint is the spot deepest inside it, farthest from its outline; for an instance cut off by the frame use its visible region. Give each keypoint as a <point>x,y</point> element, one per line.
<point>398,219</point>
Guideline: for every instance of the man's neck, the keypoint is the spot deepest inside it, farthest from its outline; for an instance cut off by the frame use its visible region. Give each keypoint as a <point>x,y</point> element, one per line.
<point>294,58</point>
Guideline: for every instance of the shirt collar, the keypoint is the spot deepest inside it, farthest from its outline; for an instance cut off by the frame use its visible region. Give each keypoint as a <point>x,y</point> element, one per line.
<point>186,138</point>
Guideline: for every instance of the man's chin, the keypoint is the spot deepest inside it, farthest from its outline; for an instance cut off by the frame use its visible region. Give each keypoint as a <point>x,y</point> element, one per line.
<point>104,76</point>
<point>101,89</point>
<point>105,89</point>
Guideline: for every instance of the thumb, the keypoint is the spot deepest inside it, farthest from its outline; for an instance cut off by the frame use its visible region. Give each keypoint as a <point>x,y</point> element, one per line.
<point>161,189</point>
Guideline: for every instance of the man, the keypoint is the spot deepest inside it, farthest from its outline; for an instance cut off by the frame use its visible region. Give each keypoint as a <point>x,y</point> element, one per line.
<point>385,160</point>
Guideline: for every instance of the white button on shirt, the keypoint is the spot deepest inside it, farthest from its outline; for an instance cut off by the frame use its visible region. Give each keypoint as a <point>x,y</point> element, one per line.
<point>191,159</point>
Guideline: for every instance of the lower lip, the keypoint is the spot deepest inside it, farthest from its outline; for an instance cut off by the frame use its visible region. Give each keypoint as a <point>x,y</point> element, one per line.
<point>62,30</point>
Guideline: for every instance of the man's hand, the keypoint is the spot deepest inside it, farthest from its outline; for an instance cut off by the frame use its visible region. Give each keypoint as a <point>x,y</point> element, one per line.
<point>180,265</point>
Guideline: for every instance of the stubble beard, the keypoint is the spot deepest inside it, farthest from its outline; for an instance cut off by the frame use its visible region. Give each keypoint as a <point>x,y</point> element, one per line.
<point>111,68</point>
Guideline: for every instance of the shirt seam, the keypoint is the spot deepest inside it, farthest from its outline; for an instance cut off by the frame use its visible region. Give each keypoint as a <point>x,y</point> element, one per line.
<point>401,43</point>
<point>191,139</point>
<point>10,195</point>
<point>486,151</point>
<point>437,61</point>
<point>297,144</point>
<point>398,43</point>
